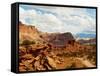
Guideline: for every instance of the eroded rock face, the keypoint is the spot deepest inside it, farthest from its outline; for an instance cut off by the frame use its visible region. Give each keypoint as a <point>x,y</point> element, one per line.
<point>59,40</point>
<point>28,32</point>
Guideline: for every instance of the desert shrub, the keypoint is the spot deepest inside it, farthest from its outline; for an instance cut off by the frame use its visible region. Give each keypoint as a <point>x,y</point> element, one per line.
<point>27,42</point>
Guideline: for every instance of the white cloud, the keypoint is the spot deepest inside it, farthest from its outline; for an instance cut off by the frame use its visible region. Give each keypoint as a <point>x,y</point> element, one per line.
<point>60,19</point>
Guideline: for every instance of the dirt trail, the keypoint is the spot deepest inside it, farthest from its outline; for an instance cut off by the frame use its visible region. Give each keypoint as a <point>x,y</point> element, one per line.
<point>86,62</point>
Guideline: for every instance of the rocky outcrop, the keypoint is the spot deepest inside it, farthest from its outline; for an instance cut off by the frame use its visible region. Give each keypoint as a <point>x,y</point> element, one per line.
<point>43,61</point>
<point>28,32</point>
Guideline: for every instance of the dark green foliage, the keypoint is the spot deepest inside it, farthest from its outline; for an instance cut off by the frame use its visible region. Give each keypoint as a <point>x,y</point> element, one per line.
<point>27,42</point>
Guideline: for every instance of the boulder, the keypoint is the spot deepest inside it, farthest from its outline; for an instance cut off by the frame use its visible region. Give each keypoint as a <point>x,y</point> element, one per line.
<point>51,62</point>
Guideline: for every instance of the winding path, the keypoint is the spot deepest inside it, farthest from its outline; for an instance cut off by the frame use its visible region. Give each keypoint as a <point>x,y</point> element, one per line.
<point>86,62</point>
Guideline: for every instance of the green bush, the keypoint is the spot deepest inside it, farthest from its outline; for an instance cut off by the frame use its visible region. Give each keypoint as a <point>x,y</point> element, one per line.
<point>27,42</point>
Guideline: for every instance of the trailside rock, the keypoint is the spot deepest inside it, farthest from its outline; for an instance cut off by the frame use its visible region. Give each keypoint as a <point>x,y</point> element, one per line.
<point>51,62</point>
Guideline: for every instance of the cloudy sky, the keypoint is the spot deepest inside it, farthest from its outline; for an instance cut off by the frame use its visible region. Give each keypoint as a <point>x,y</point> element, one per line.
<point>59,19</point>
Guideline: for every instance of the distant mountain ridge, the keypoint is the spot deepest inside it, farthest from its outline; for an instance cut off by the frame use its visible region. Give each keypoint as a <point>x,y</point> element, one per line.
<point>84,35</point>
<point>59,39</point>
<point>89,41</point>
